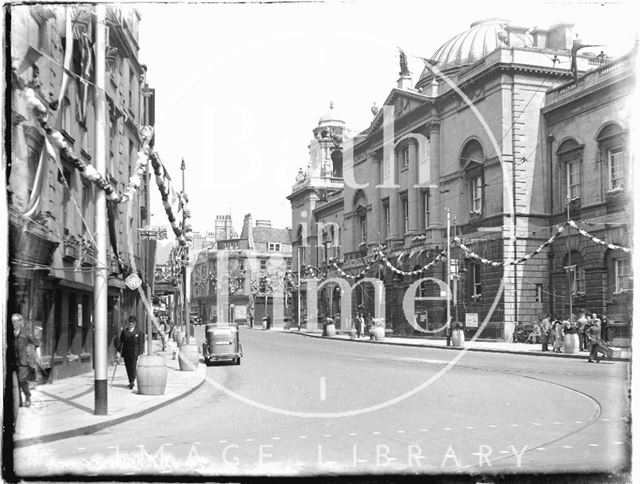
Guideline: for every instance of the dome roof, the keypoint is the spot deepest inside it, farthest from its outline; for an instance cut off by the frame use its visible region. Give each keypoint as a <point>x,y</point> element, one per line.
<point>330,118</point>
<point>482,38</point>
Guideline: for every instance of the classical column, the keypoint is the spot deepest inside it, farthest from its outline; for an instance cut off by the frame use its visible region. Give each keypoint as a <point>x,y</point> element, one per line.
<point>413,192</point>
<point>374,226</point>
<point>395,212</point>
<point>434,171</point>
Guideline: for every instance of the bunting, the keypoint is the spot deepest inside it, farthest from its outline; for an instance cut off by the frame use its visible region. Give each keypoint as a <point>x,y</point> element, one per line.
<point>597,240</point>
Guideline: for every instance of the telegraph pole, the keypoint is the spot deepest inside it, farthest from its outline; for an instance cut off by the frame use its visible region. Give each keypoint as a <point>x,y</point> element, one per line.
<point>100,343</point>
<point>569,266</point>
<point>448,268</point>
<point>299,309</point>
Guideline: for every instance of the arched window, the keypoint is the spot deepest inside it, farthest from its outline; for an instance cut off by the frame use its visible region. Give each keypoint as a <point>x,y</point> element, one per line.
<point>570,163</point>
<point>472,162</point>
<point>611,144</point>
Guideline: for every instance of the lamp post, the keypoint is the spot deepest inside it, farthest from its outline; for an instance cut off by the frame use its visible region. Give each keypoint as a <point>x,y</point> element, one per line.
<point>186,270</point>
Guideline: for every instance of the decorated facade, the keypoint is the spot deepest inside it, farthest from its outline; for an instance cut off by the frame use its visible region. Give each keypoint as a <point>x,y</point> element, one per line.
<point>466,146</point>
<point>52,182</point>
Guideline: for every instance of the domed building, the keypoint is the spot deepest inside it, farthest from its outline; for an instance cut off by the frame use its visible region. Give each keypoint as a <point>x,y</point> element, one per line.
<point>468,149</point>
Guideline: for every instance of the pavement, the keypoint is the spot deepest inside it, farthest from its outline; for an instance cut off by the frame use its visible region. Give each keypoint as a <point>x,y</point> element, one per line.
<point>493,346</point>
<point>65,408</point>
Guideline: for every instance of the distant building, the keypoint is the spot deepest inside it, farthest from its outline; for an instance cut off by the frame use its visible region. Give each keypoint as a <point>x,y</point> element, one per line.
<point>251,279</point>
<point>224,228</point>
<point>51,206</point>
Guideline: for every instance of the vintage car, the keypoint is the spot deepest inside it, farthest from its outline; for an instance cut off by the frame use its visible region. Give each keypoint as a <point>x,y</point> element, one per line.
<point>222,343</point>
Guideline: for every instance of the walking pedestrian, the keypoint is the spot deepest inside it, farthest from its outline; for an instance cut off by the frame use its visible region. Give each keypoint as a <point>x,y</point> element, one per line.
<point>131,346</point>
<point>582,326</point>
<point>557,336</point>
<point>545,330</point>
<point>25,358</point>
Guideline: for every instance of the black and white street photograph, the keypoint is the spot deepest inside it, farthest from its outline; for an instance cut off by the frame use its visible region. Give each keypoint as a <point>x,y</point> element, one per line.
<point>342,241</point>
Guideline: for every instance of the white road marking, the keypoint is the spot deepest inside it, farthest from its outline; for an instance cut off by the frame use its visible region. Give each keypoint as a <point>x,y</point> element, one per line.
<point>469,428</point>
<point>81,448</point>
<point>594,445</point>
<point>604,419</point>
<point>541,448</point>
<point>223,441</point>
<point>537,423</point>
<point>505,452</point>
<point>567,446</point>
<point>352,434</point>
<point>426,360</point>
<point>302,436</point>
<point>401,431</point>
<point>515,425</point>
<point>424,430</point>
<point>578,421</point>
<point>275,438</point>
<point>618,443</point>
<point>249,440</point>
<point>492,426</point>
<point>447,428</point>
<point>376,433</point>
<point>327,435</point>
<point>323,388</point>
<point>557,423</point>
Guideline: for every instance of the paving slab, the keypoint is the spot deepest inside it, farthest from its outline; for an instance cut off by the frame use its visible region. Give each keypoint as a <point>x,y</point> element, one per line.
<point>65,408</point>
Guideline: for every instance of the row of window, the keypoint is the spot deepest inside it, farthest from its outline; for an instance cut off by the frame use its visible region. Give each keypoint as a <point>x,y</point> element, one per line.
<point>611,153</point>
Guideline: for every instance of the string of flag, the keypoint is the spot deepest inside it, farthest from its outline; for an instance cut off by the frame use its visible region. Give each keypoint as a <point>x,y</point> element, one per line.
<point>470,253</point>
<point>442,255</point>
<point>597,240</point>
<point>362,273</point>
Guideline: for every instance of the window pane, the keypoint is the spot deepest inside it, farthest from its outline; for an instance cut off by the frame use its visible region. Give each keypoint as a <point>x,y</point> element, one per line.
<point>615,167</point>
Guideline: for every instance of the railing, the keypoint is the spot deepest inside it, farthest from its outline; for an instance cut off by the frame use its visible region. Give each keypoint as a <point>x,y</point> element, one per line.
<point>592,78</point>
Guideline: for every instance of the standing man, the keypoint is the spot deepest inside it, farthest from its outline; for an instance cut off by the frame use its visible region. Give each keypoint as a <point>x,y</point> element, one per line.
<point>131,345</point>
<point>545,330</point>
<point>582,325</point>
<point>25,357</point>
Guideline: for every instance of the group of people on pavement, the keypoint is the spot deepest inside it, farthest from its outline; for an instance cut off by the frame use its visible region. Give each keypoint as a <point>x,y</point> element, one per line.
<point>592,333</point>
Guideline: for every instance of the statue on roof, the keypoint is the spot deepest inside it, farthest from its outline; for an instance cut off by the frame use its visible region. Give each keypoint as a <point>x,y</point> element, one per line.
<point>404,67</point>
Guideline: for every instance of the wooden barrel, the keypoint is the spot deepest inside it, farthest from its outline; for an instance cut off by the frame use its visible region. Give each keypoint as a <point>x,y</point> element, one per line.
<point>330,330</point>
<point>457,337</point>
<point>151,375</point>
<point>571,343</point>
<point>188,357</point>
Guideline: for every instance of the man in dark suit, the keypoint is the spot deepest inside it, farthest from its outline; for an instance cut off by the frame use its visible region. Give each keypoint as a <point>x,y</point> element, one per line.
<point>25,357</point>
<point>131,345</point>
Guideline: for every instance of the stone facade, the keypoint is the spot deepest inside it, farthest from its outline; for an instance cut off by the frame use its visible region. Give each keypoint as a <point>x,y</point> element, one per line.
<point>587,127</point>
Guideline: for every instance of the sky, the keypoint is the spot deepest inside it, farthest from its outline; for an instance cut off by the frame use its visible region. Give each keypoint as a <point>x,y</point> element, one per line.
<point>239,87</point>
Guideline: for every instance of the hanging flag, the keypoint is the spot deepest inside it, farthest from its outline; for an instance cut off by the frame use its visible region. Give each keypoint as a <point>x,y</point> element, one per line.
<point>66,65</point>
<point>40,178</point>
